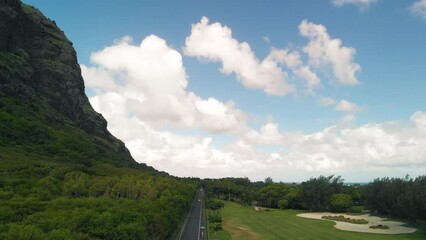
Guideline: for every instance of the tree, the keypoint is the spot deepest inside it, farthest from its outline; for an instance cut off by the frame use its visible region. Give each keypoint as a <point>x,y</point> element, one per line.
<point>215,217</point>
<point>316,192</point>
<point>341,202</point>
<point>269,180</point>
<point>214,204</point>
<point>76,184</point>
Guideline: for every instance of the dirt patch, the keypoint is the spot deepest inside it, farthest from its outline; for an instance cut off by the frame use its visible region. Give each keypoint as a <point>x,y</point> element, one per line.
<point>239,231</point>
<point>394,227</point>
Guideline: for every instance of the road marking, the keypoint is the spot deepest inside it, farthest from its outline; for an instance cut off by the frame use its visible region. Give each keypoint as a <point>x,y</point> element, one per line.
<point>186,220</point>
<point>199,221</point>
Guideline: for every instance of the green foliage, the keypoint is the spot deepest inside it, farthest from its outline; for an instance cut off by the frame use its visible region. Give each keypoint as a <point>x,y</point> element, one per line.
<point>342,218</point>
<point>214,204</point>
<point>380,226</point>
<point>356,209</point>
<point>23,232</point>
<point>316,192</point>
<point>398,197</point>
<point>283,204</point>
<point>340,202</point>
<point>258,193</point>
<point>214,217</point>
<point>269,180</point>
<point>57,182</point>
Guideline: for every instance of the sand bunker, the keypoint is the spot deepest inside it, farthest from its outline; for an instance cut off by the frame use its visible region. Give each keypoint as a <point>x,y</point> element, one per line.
<point>394,227</point>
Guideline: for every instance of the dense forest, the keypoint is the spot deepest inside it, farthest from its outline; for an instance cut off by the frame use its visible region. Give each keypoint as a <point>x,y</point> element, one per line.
<point>393,197</point>
<point>57,183</point>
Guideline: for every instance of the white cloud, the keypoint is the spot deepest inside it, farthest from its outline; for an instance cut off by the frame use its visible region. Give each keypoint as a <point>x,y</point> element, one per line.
<point>385,145</point>
<point>276,74</point>
<point>324,51</point>
<point>362,4</point>
<point>346,106</point>
<point>266,39</point>
<point>215,42</point>
<point>348,118</point>
<point>292,61</point>
<point>375,147</point>
<point>419,8</point>
<point>98,78</point>
<point>152,81</point>
<point>326,101</point>
<point>269,134</point>
<point>142,92</point>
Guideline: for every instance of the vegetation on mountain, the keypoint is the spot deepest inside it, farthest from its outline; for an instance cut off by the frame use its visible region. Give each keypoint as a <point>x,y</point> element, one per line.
<point>62,174</point>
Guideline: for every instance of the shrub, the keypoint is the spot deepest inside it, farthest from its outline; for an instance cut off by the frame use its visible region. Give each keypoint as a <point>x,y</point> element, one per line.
<point>380,226</point>
<point>356,209</point>
<point>342,218</point>
<point>341,202</point>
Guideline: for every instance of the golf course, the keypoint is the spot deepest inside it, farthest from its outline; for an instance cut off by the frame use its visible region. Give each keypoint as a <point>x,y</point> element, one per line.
<point>244,222</point>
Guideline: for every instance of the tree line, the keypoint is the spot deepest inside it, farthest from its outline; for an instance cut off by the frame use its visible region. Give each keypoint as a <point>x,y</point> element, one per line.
<point>389,196</point>
<point>400,197</point>
<point>68,204</point>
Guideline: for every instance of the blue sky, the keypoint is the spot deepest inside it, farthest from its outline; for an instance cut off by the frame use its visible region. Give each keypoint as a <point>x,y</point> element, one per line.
<point>188,105</point>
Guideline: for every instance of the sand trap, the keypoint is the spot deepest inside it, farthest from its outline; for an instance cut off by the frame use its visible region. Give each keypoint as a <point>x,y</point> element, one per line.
<point>394,227</point>
<point>256,208</point>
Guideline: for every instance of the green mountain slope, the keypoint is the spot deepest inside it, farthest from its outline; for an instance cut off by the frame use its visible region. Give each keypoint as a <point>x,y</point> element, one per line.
<point>62,174</point>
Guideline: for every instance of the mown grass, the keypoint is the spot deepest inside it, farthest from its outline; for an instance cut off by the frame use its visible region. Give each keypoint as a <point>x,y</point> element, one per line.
<point>241,222</point>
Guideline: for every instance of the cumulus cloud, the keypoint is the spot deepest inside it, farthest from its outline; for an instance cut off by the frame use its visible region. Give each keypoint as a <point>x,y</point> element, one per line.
<point>419,8</point>
<point>326,101</point>
<point>215,42</point>
<point>376,146</point>
<point>269,134</point>
<point>150,81</point>
<point>142,92</point>
<point>277,74</point>
<point>346,106</point>
<point>324,51</point>
<point>387,145</point>
<point>362,4</point>
<point>292,61</point>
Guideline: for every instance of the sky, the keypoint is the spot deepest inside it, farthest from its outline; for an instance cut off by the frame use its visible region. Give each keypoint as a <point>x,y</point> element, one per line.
<point>282,89</point>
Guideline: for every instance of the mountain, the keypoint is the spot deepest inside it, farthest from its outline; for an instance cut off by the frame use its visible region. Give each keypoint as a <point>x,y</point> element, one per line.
<point>39,71</point>
<point>62,174</point>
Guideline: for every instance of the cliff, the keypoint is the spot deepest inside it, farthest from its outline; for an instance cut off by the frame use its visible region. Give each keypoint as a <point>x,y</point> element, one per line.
<point>40,79</point>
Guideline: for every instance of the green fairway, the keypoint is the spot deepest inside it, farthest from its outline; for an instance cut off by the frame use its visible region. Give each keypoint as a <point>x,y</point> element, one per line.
<point>241,222</point>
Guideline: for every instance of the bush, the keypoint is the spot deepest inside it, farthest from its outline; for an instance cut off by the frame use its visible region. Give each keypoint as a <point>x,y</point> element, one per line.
<point>214,204</point>
<point>341,202</point>
<point>218,227</point>
<point>342,218</point>
<point>380,226</point>
<point>215,216</point>
<point>356,209</point>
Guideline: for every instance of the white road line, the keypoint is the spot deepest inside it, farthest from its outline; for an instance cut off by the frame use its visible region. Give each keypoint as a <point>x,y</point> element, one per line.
<point>199,222</point>
<point>186,220</point>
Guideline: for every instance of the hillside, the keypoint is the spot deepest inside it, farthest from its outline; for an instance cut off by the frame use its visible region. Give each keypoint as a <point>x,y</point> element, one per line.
<point>62,174</point>
<point>40,75</point>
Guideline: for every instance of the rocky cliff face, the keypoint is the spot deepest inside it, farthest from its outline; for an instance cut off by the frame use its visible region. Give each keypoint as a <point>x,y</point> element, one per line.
<point>38,63</point>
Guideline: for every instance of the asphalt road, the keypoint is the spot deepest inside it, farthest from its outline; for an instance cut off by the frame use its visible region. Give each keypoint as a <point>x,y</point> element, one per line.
<point>195,226</point>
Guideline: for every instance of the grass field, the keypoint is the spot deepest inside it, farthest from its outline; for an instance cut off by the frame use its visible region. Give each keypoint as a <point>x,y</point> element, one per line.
<point>241,222</point>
